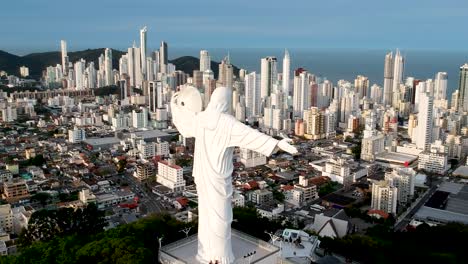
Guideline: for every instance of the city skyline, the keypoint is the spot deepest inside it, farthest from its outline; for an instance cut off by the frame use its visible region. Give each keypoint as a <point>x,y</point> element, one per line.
<point>206,25</point>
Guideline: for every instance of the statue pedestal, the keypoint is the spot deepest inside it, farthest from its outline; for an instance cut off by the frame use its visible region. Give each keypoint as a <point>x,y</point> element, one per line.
<point>185,250</point>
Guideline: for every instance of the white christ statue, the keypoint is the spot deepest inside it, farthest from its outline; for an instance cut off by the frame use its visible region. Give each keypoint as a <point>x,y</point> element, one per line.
<point>216,135</point>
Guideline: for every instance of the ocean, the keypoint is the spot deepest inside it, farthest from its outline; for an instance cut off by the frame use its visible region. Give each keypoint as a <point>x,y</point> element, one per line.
<point>338,64</point>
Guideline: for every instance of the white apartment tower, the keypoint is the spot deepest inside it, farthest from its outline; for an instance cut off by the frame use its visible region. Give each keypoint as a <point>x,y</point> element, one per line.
<point>384,197</point>
<point>108,67</point>
<point>425,121</point>
<point>268,74</point>
<point>143,52</point>
<point>388,79</point>
<point>205,60</point>
<point>63,45</point>
<point>286,73</point>
<point>252,95</point>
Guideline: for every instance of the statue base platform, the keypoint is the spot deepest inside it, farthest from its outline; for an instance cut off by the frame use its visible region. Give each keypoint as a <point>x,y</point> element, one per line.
<point>185,250</point>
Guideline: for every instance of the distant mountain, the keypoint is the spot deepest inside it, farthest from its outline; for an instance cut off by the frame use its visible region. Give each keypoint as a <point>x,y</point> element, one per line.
<point>37,62</point>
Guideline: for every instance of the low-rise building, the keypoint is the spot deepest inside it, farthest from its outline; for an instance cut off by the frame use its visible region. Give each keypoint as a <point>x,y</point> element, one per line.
<point>15,190</point>
<point>6,218</point>
<point>435,160</point>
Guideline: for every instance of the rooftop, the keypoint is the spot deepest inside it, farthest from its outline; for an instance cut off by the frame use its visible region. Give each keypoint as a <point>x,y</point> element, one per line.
<point>185,250</point>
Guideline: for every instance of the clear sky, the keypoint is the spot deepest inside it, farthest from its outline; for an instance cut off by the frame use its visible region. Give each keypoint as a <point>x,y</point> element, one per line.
<point>34,25</point>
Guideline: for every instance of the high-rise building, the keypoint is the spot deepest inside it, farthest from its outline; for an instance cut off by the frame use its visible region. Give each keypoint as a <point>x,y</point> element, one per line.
<point>286,72</point>
<point>155,94</point>
<point>361,85</point>
<point>301,91</point>
<point>425,121</point>
<point>76,135</point>
<point>226,75</point>
<point>403,180</point>
<point>252,95</point>
<point>384,197</point>
<point>24,71</point>
<point>134,66</point>
<point>388,79</point>
<point>268,74</point>
<point>163,57</point>
<point>143,52</point>
<point>205,60</point>
<point>398,69</point>
<point>314,123</point>
<point>79,68</point>
<point>63,45</point>
<point>140,118</point>
<point>440,86</point>
<point>108,67</point>
<point>463,88</point>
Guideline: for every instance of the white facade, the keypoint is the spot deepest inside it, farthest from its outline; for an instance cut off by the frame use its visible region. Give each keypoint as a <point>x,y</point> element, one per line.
<point>425,121</point>
<point>251,158</point>
<point>286,72</point>
<point>171,176</point>
<point>269,74</point>
<point>140,118</point>
<point>384,197</point>
<point>76,135</point>
<point>403,179</point>
<point>205,60</point>
<point>252,95</point>
<point>435,159</point>
<point>108,65</point>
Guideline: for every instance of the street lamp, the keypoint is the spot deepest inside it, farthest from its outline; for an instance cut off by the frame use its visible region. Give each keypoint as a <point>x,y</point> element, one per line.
<point>186,231</point>
<point>275,238</point>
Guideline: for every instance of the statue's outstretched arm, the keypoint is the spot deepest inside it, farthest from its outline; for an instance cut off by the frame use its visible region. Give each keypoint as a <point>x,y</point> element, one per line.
<point>246,137</point>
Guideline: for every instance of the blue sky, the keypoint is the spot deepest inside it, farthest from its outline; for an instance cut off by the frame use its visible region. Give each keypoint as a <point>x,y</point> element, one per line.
<point>33,25</point>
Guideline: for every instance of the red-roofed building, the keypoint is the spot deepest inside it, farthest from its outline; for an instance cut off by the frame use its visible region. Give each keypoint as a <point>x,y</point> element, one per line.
<point>378,214</point>
<point>181,202</point>
<point>251,185</point>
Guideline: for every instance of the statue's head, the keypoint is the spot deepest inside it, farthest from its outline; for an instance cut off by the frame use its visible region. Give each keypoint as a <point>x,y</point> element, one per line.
<point>220,100</point>
<point>188,98</point>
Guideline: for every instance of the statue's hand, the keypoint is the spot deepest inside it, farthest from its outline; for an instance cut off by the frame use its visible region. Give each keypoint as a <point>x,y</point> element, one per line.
<point>285,146</point>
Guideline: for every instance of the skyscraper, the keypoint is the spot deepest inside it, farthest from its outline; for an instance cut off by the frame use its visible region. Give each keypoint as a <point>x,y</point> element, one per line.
<point>269,74</point>
<point>425,122</point>
<point>63,45</point>
<point>286,72</point>
<point>108,67</point>
<point>388,79</point>
<point>163,57</point>
<point>205,60</point>
<point>440,86</point>
<point>134,66</point>
<point>398,68</point>
<point>463,88</point>
<point>252,95</point>
<point>301,92</point>
<point>225,77</point>
<point>143,52</point>
<point>361,84</point>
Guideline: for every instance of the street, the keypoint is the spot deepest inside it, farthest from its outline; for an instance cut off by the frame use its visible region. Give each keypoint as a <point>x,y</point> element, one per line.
<point>401,225</point>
